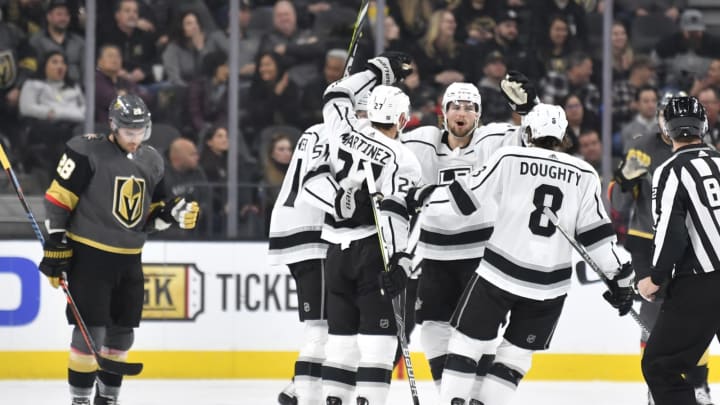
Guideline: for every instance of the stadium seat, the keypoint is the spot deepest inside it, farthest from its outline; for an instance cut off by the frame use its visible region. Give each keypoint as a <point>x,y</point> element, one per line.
<point>162,135</point>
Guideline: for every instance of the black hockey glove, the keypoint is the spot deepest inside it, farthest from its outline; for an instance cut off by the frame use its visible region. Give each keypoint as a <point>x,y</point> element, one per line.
<point>354,204</point>
<point>620,289</point>
<point>177,210</point>
<point>393,281</point>
<point>390,67</point>
<point>56,260</point>
<point>417,196</point>
<point>519,92</point>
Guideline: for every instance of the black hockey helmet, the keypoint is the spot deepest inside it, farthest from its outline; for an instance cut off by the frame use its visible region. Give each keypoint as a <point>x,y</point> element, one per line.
<point>685,117</point>
<point>129,111</point>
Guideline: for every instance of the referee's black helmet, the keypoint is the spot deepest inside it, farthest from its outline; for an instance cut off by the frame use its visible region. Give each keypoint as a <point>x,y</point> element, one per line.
<point>685,117</point>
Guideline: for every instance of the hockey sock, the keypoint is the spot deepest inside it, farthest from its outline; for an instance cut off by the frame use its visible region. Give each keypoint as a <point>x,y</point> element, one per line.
<point>339,369</point>
<point>108,384</point>
<point>499,385</point>
<point>480,372</point>
<point>375,368</point>
<point>434,339</point>
<point>308,366</point>
<point>437,364</point>
<point>82,369</point>
<point>502,379</point>
<point>81,384</point>
<point>458,377</point>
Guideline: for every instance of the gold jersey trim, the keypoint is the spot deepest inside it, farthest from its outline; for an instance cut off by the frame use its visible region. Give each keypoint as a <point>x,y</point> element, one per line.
<point>640,234</point>
<point>102,246</point>
<point>62,195</point>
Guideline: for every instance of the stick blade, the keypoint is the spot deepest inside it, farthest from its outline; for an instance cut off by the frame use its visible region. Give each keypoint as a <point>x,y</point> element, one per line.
<point>119,367</point>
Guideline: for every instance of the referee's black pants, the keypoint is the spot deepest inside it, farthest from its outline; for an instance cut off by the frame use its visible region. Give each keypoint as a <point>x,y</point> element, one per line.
<point>689,319</point>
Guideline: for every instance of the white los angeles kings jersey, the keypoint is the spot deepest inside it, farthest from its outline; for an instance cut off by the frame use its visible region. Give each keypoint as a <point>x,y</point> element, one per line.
<point>526,255</point>
<point>295,226</point>
<point>449,237</point>
<point>394,167</point>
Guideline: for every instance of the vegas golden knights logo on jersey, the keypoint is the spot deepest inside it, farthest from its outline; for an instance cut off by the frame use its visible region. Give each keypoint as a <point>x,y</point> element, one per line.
<point>128,198</point>
<point>7,69</point>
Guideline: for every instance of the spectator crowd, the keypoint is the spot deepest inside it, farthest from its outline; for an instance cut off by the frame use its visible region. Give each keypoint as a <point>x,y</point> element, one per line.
<point>174,54</point>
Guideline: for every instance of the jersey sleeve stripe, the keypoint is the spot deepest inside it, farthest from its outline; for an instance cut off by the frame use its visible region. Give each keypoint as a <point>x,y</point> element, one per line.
<point>462,199</point>
<point>462,238</point>
<point>334,95</point>
<point>391,206</point>
<point>320,170</point>
<point>61,197</point>
<point>300,238</point>
<point>595,235</point>
<point>526,274</point>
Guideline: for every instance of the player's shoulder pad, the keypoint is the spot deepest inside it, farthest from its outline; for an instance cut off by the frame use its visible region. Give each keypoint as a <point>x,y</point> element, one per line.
<point>428,134</point>
<point>85,144</point>
<point>153,158</point>
<point>493,129</point>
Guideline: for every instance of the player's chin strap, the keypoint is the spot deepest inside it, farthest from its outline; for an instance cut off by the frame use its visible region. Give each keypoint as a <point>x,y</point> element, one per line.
<point>397,307</point>
<point>586,256</point>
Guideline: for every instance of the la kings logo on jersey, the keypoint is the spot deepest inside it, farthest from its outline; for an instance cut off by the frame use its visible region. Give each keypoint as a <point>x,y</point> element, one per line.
<point>448,175</point>
<point>128,199</point>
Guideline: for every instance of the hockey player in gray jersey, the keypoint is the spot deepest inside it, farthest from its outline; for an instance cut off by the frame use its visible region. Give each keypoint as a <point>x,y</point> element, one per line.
<point>106,195</point>
<point>295,241</point>
<point>362,332</point>
<point>526,268</point>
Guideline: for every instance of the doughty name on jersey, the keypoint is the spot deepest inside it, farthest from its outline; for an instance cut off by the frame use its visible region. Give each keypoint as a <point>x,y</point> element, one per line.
<point>551,171</point>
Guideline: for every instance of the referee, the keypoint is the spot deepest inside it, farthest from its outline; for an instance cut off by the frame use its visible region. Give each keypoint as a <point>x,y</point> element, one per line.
<point>686,203</point>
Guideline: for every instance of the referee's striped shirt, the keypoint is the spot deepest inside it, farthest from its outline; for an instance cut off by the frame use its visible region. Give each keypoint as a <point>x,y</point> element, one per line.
<point>686,203</point>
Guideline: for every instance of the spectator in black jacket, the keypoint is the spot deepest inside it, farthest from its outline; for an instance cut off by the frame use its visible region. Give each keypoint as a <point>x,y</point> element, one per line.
<point>686,54</point>
<point>137,46</point>
<point>273,100</point>
<point>312,98</point>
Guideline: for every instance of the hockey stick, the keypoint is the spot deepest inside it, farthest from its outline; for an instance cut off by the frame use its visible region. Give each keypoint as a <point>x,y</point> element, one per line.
<point>397,308</point>
<point>112,366</point>
<point>357,33</point>
<point>586,256</point>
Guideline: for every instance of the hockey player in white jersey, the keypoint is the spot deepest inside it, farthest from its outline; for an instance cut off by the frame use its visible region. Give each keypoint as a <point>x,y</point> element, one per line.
<point>526,267</point>
<point>450,250</point>
<point>362,331</point>
<point>295,241</point>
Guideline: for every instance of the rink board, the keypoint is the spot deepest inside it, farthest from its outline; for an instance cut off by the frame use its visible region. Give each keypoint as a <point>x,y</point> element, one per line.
<point>218,310</point>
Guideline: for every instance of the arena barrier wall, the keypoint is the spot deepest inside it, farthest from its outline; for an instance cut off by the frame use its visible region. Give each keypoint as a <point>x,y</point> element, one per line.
<point>218,310</point>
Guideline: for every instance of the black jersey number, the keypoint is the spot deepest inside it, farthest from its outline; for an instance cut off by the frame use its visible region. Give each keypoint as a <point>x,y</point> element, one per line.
<point>545,196</point>
<point>349,164</point>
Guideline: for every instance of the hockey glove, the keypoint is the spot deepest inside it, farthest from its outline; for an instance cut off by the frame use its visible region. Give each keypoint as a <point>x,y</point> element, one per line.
<point>417,196</point>
<point>620,289</point>
<point>390,67</point>
<point>519,92</point>
<point>394,280</point>
<point>56,260</point>
<point>354,204</point>
<point>635,165</point>
<point>175,210</point>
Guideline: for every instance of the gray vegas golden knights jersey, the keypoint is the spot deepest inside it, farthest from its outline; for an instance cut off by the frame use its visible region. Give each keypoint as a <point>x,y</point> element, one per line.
<point>395,169</point>
<point>102,197</point>
<point>448,237</point>
<point>295,226</point>
<point>526,255</point>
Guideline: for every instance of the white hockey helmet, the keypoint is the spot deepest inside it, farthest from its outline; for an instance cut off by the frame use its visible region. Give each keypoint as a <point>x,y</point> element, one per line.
<point>387,104</point>
<point>461,91</point>
<point>545,120</point>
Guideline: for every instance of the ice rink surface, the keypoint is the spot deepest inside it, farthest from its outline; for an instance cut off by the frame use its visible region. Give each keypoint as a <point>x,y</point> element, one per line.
<point>264,392</point>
